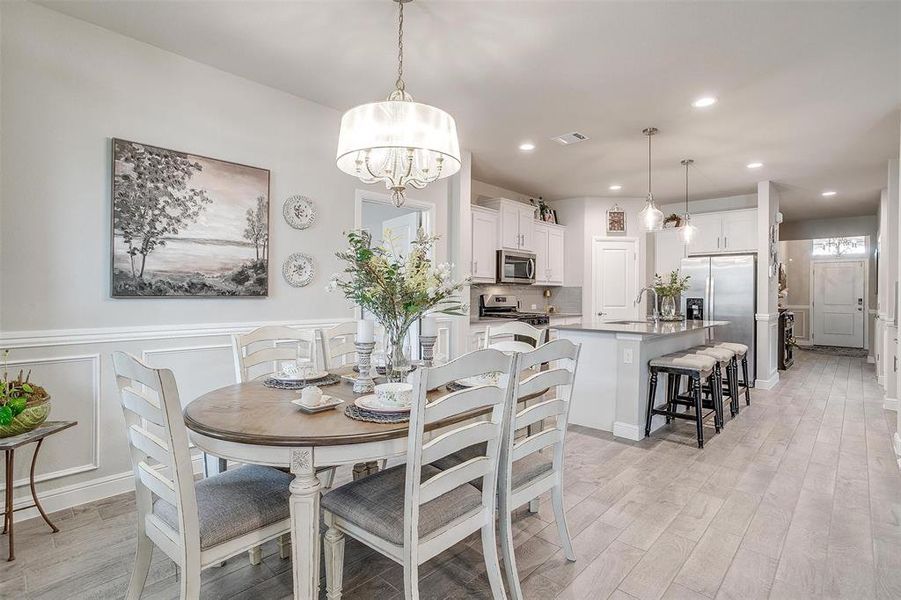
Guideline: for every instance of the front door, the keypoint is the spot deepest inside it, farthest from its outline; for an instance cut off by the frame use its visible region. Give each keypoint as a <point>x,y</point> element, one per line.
<point>838,303</point>
<point>614,277</point>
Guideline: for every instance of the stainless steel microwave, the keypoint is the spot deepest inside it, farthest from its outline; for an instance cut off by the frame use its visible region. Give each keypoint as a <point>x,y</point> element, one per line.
<point>515,267</point>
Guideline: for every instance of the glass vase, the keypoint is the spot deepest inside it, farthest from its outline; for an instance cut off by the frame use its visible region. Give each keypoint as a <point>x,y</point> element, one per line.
<point>668,307</point>
<point>397,361</point>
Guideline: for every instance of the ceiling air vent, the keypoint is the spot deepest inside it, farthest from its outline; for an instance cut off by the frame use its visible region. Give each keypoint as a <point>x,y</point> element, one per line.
<point>570,138</point>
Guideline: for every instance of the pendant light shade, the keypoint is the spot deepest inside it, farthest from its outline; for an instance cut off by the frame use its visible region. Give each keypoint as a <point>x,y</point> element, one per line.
<point>688,230</point>
<point>650,217</point>
<point>398,141</point>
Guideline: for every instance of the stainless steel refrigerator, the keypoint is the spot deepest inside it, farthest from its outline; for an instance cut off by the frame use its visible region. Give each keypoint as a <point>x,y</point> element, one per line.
<point>724,288</point>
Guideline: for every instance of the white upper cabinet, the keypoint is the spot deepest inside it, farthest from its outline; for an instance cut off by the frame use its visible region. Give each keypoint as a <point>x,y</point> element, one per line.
<point>740,231</point>
<point>484,245</point>
<point>549,248</point>
<point>723,232</point>
<point>668,251</point>
<point>516,223</point>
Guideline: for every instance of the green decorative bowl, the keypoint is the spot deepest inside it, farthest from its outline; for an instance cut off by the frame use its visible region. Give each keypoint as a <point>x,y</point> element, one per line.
<point>28,419</point>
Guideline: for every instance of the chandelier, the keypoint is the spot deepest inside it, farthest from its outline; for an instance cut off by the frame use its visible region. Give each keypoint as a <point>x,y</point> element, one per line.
<point>398,141</point>
<point>688,230</point>
<point>650,217</point>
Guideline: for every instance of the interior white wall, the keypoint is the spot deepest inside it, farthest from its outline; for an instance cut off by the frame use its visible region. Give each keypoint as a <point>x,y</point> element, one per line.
<point>810,229</point>
<point>706,205</point>
<point>586,218</point>
<point>767,288</point>
<point>481,191</point>
<point>66,88</point>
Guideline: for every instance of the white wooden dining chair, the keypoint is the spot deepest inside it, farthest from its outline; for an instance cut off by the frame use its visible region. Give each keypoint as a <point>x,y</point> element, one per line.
<point>196,525</point>
<point>412,512</point>
<point>265,347</point>
<point>262,351</point>
<point>532,462</point>
<point>338,348</point>
<point>503,337</point>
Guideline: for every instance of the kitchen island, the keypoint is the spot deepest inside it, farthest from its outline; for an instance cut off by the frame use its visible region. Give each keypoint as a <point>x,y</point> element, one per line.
<point>611,387</point>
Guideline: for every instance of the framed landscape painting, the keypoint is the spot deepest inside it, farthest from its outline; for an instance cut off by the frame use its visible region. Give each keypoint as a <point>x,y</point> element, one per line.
<point>185,225</point>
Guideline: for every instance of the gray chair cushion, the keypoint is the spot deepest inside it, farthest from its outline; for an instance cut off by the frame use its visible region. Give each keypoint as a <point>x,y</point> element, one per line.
<point>524,470</point>
<point>234,503</point>
<point>376,504</point>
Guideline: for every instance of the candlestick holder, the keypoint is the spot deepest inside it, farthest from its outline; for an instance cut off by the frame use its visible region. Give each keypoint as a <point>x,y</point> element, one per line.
<point>427,344</point>
<point>364,382</point>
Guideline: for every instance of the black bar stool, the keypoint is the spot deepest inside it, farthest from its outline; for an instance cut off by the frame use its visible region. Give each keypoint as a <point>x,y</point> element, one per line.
<point>698,368</point>
<point>741,353</point>
<point>725,364</point>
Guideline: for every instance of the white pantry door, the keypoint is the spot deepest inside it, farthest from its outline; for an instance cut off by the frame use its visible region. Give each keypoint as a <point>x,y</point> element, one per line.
<point>614,279</point>
<point>401,231</point>
<point>838,303</point>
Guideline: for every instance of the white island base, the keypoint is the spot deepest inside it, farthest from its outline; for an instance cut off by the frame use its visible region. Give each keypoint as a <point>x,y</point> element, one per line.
<point>611,388</point>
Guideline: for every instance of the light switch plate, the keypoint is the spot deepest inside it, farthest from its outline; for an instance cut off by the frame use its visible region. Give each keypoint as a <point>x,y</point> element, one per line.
<point>627,356</point>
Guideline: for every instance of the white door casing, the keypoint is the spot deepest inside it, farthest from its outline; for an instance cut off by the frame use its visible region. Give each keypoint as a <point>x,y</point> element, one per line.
<point>839,303</point>
<point>614,274</point>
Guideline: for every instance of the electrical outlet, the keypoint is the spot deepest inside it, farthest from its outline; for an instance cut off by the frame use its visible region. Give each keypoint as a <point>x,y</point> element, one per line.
<point>534,306</point>
<point>627,356</point>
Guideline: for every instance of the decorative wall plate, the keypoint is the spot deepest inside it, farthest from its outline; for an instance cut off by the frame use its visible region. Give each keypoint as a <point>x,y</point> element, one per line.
<point>299,212</point>
<point>298,269</point>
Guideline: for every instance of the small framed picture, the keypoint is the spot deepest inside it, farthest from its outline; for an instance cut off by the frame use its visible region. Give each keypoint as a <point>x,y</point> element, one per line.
<point>616,220</point>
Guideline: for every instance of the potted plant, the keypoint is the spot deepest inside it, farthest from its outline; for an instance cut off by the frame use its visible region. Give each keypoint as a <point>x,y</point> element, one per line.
<point>23,405</point>
<point>667,290</point>
<point>396,290</point>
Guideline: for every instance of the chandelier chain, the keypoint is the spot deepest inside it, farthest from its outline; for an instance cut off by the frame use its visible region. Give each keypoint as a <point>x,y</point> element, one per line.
<point>399,84</point>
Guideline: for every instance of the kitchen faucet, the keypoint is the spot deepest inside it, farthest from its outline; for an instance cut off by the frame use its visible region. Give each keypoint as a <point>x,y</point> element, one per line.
<point>656,314</point>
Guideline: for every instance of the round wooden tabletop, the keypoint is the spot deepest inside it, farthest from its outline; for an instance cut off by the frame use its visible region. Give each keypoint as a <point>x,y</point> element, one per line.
<point>252,413</point>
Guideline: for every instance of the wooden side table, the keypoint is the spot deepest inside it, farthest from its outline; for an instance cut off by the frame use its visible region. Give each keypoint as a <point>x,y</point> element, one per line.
<point>9,446</point>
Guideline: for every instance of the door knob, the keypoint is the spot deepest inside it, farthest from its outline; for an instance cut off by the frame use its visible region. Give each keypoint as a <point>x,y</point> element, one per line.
<point>601,314</point>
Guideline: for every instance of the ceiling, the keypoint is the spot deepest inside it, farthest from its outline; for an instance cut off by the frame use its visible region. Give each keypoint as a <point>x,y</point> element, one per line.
<point>810,89</point>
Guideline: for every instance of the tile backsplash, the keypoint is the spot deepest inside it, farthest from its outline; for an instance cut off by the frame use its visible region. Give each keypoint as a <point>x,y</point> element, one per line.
<point>531,297</point>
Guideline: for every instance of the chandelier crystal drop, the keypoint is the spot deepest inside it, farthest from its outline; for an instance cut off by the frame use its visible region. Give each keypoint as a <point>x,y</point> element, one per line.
<point>650,217</point>
<point>688,230</point>
<point>398,141</point>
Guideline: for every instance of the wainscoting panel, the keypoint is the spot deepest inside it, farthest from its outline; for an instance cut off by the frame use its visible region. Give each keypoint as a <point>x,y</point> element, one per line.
<point>197,369</point>
<point>802,321</point>
<point>74,385</point>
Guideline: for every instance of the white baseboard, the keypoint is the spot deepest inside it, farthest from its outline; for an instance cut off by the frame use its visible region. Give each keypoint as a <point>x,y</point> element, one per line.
<point>803,343</point>
<point>76,494</point>
<point>628,431</point>
<point>767,384</point>
<point>890,403</point>
<point>871,359</point>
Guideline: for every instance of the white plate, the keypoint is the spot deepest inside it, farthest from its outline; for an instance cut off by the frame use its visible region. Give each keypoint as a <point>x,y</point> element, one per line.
<point>371,402</point>
<point>481,380</point>
<point>291,378</point>
<point>299,212</point>
<point>330,402</point>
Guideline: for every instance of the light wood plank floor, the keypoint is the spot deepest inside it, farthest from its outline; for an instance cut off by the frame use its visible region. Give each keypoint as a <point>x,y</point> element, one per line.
<point>799,497</point>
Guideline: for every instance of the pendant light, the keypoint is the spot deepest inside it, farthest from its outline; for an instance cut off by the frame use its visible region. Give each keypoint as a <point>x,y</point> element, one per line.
<point>688,230</point>
<point>398,141</point>
<point>650,217</point>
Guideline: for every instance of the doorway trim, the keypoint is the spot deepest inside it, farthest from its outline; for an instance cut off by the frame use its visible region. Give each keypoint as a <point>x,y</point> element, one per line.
<point>865,263</point>
<point>426,208</point>
<point>635,256</point>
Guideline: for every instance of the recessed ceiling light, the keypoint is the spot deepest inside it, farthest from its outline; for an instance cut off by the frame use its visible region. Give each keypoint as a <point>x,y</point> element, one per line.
<point>755,165</point>
<point>615,188</point>
<point>704,102</point>
<point>527,146</point>
<point>828,193</point>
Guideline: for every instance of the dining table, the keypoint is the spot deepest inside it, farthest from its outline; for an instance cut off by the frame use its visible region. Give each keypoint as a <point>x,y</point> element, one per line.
<point>254,424</point>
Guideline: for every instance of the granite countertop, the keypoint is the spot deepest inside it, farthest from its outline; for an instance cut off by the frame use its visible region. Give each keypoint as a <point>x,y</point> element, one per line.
<point>474,319</point>
<point>648,328</point>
